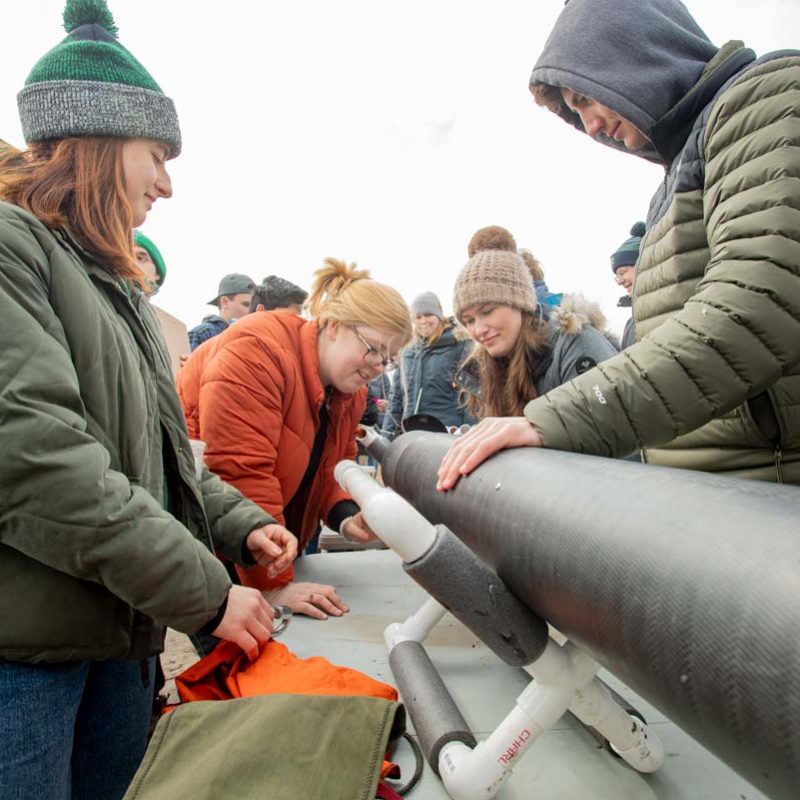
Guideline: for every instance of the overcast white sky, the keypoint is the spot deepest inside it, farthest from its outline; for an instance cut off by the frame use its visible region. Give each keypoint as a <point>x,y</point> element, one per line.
<point>380,133</point>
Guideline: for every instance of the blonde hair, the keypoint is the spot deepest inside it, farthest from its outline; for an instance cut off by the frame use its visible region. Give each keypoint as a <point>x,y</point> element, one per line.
<point>348,295</point>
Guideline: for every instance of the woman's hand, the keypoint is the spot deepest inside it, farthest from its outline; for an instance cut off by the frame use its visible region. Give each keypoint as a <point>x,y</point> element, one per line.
<point>273,547</point>
<point>312,599</point>
<point>247,620</point>
<point>482,441</point>
<point>355,529</point>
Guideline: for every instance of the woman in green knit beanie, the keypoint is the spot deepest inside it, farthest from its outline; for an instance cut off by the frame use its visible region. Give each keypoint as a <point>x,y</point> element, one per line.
<point>106,520</point>
<point>150,261</point>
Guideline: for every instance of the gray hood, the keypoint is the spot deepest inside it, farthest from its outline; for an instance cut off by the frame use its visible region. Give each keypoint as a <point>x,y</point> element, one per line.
<point>637,57</point>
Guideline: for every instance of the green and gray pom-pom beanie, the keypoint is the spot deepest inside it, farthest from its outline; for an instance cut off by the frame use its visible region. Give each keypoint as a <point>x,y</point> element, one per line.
<point>90,85</point>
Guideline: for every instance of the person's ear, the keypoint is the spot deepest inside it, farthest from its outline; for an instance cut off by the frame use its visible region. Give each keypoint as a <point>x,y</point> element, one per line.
<point>334,328</point>
<point>261,307</point>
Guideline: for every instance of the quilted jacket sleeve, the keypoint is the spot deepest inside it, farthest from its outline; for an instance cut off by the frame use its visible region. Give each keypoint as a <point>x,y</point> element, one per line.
<point>60,502</point>
<point>232,516</point>
<point>740,331</point>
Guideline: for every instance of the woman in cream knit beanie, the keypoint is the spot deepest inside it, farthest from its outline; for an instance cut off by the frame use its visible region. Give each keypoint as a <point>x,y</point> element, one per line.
<point>521,354</point>
<point>494,276</point>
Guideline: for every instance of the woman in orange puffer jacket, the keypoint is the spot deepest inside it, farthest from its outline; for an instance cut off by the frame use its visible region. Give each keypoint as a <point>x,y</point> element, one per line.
<point>278,398</point>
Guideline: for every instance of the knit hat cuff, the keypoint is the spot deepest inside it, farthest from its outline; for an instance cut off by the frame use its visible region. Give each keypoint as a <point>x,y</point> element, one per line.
<point>625,257</point>
<point>480,294</point>
<point>57,109</point>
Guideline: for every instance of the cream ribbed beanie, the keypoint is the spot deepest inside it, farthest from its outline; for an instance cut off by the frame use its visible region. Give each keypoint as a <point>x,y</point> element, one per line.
<point>494,276</point>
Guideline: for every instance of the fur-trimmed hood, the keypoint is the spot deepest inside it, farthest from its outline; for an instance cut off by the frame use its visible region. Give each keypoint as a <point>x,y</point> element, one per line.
<point>459,331</point>
<point>574,313</point>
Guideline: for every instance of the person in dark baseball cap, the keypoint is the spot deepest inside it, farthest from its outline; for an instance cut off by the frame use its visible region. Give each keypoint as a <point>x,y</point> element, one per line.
<point>231,285</point>
<point>233,301</point>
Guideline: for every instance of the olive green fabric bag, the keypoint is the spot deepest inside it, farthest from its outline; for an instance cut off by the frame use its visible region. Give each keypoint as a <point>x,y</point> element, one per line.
<point>281,747</point>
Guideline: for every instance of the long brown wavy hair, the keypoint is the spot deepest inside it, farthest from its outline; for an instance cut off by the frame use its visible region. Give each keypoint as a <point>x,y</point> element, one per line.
<point>507,384</point>
<point>77,183</point>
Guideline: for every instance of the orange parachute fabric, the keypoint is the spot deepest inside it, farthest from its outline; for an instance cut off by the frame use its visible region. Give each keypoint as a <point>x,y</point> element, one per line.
<point>226,673</point>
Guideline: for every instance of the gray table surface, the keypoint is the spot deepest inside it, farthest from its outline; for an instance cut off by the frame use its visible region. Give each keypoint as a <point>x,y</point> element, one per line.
<point>567,763</point>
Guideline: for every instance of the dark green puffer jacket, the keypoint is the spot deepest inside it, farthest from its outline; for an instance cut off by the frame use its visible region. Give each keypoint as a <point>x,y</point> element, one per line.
<point>714,381</point>
<point>93,439</point>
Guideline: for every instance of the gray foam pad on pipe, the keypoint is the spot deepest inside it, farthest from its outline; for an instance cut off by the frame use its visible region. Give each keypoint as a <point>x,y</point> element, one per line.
<point>472,592</point>
<point>433,711</point>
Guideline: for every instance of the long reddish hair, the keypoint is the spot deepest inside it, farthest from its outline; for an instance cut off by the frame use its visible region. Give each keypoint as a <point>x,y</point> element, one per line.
<point>77,183</point>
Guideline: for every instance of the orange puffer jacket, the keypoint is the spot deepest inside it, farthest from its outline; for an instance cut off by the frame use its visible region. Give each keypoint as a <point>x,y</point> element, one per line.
<point>253,394</point>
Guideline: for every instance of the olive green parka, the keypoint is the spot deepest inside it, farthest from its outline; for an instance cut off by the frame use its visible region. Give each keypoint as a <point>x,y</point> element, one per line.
<point>713,382</point>
<point>94,447</point>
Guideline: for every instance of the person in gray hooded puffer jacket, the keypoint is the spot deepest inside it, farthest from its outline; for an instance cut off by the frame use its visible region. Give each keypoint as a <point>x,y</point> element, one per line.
<point>712,382</point>
<point>428,366</point>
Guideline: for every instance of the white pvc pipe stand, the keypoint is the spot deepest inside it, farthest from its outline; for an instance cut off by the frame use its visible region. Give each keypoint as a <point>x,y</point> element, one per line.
<point>564,675</point>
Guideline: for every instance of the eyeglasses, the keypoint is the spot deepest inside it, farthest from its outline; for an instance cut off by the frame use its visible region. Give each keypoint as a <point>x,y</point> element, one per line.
<point>373,357</point>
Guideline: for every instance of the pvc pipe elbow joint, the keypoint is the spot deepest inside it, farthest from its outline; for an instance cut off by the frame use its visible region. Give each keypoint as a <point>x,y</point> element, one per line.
<point>646,754</point>
<point>470,774</point>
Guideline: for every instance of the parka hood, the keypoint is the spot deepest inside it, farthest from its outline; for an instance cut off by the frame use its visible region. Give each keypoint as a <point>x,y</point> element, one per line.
<point>638,59</point>
<point>575,313</point>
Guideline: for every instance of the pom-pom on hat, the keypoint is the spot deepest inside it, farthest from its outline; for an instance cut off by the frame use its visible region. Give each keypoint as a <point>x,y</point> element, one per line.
<point>90,85</point>
<point>494,276</point>
<point>627,253</point>
<point>492,237</point>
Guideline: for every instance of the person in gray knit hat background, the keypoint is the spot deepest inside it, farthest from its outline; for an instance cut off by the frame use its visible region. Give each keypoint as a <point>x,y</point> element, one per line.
<point>520,354</point>
<point>427,369</point>
<point>105,520</point>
